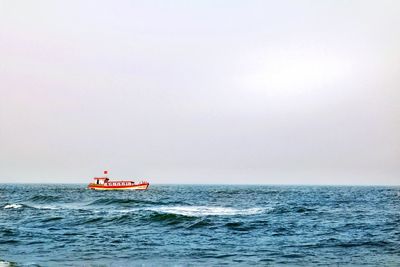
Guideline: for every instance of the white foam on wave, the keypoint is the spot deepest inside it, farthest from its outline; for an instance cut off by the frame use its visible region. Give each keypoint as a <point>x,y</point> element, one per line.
<point>13,206</point>
<point>197,211</point>
<point>5,264</point>
<point>46,207</point>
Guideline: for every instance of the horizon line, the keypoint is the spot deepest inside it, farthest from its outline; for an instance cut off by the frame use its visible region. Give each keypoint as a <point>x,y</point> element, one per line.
<point>255,184</point>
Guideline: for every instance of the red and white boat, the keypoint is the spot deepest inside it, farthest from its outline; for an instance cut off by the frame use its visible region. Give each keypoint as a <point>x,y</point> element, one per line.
<point>104,183</point>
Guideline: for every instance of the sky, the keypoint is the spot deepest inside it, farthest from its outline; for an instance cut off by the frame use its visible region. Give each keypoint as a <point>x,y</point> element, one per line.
<point>226,92</point>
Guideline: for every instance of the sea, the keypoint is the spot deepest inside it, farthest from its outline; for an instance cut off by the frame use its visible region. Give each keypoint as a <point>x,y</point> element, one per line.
<point>199,225</point>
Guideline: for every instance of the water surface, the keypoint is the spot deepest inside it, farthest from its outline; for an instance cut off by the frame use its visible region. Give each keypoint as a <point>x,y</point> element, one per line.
<point>68,225</point>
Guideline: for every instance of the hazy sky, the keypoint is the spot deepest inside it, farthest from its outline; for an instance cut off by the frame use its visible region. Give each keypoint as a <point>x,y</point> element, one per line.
<point>282,92</point>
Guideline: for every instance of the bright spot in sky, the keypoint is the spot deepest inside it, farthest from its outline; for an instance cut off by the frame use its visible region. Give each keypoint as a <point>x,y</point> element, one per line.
<point>286,75</point>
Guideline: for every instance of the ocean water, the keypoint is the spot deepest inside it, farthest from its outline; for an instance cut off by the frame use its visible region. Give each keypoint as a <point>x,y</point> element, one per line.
<point>199,225</point>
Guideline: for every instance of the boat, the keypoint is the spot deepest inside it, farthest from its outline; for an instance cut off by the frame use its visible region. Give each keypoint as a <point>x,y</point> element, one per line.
<point>104,183</point>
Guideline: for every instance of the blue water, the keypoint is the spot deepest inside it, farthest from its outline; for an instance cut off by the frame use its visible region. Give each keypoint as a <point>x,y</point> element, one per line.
<point>169,225</point>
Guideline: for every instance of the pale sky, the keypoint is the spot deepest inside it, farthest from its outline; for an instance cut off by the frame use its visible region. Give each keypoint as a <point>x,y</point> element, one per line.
<point>269,92</point>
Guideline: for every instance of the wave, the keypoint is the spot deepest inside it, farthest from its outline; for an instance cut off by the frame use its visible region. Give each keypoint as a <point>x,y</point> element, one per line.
<point>186,216</point>
<point>119,201</point>
<point>169,219</point>
<point>13,206</point>
<point>51,219</point>
<point>199,224</point>
<point>45,207</point>
<point>21,206</point>
<point>381,243</point>
<point>146,218</point>
<point>199,211</point>
<point>238,226</point>
<point>44,198</point>
<point>190,211</point>
<point>195,211</point>
<point>297,209</point>
<point>6,263</point>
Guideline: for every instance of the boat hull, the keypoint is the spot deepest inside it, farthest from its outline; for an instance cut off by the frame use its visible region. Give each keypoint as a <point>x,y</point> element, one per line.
<point>130,187</point>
